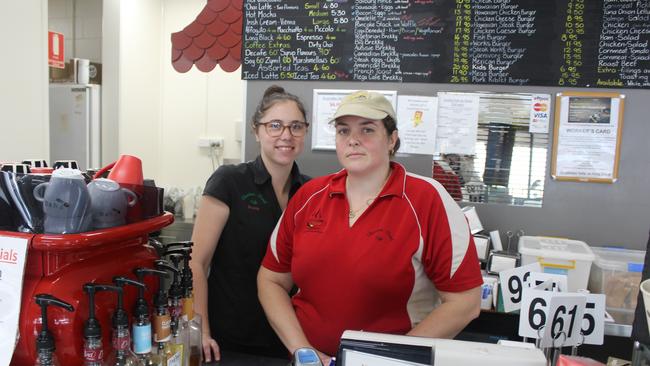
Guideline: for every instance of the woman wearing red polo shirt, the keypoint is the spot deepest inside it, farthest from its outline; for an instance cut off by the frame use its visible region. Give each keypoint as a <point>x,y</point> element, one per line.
<point>371,247</point>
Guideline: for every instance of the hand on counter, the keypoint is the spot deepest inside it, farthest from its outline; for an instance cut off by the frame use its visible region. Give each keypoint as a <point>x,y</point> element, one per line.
<point>210,349</point>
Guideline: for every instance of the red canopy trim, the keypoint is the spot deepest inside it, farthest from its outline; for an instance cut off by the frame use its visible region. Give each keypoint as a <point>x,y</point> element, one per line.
<point>213,38</point>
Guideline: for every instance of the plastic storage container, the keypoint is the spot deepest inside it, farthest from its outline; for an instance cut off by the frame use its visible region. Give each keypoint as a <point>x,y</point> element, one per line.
<point>559,256</point>
<point>616,272</point>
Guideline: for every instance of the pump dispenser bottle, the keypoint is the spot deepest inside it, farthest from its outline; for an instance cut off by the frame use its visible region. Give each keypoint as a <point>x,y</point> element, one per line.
<point>121,354</point>
<point>93,351</point>
<point>142,345</point>
<point>180,336</point>
<point>45,341</point>
<point>172,354</point>
<point>191,319</point>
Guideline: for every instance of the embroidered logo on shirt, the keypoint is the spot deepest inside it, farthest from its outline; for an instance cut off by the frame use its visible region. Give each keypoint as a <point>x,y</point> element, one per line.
<point>254,200</point>
<point>381,234</point>
<point>315,223</point>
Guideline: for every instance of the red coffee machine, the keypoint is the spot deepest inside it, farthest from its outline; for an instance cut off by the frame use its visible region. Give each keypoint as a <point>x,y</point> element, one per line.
<point>60,264</point>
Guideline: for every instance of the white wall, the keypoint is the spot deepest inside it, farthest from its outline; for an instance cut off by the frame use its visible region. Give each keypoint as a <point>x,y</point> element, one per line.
<point>159,113</point>
<point>163,113</point>
<point>110,79</point>
<point>23,82</point>
<point>194,104</point>
<point>139,83</point>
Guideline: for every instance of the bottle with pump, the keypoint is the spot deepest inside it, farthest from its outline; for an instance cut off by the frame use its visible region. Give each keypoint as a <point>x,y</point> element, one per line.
<point>179,326</point>
<point>45,341</point>
<point>121,354</point>
<point>193,319</point>
<point>171,353</point>
<point>93,351</point>
<point>142,334</point>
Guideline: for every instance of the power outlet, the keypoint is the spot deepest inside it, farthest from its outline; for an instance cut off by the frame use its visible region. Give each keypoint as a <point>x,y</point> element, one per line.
<point>214,142</point>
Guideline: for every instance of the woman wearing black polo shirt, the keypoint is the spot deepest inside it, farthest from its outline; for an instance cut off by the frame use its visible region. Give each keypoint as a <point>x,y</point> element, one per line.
<point>239,209</point>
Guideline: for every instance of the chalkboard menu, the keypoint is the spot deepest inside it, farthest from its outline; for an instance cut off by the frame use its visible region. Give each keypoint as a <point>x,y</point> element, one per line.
<point>601,43</point>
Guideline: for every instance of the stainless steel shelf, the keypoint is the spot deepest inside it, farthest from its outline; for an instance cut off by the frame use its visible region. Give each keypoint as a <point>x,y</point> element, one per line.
<point>618,330</point>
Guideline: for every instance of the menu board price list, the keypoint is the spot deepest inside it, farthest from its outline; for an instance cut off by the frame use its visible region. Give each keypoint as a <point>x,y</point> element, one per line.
<point>494,24</point>
<point>572,52</point>
<point>463,27</point>
<point>291,40</point>
<point>623,52</point>
<point>580,43</point>
<point>372,39</point>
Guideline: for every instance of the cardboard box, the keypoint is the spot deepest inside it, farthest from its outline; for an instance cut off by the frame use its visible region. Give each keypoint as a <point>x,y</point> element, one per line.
<point>68,75</point>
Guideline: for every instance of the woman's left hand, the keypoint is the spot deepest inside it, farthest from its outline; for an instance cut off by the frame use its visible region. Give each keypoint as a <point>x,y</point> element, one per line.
<point>325,359</point>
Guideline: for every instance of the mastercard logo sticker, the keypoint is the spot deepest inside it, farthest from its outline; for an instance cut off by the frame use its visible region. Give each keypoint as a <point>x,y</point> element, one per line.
<point>540,107</point>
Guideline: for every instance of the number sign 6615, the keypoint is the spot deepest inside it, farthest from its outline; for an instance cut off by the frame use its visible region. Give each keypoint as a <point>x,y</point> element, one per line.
<point>569,318</point>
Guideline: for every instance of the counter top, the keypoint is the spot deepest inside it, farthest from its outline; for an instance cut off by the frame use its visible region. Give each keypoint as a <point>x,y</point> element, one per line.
<point>618,330</point>
<point>241,359</point>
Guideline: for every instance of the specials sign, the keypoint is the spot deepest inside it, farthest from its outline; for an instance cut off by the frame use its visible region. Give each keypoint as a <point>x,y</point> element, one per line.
<point>13,252</point>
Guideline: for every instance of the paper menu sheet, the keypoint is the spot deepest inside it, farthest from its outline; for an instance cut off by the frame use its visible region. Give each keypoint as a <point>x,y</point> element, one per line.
<point>457,123</point>
<point>417,122</point>
<point>13,253</point>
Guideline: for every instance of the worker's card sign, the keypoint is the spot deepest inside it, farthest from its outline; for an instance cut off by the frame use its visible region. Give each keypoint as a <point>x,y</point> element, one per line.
<point>13,252</point>
<point>512,283</point>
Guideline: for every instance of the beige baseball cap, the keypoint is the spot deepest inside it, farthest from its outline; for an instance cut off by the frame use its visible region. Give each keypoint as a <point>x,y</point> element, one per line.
<point>365,104</point>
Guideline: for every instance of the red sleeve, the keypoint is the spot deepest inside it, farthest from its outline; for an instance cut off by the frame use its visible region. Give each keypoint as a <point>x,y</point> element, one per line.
<point>449,256</point>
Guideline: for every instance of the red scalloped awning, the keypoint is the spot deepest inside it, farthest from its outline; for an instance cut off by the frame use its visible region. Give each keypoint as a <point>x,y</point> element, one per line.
<point>213,38</point>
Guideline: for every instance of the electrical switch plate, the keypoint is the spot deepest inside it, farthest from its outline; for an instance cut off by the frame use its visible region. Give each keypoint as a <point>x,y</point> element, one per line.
<point>211,142</point>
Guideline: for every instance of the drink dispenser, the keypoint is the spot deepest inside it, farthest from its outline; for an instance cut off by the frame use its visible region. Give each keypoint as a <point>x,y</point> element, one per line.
<point>61,264</point>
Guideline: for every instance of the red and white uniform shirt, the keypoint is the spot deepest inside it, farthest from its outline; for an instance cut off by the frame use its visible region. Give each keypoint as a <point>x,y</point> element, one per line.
<point>380,274</point>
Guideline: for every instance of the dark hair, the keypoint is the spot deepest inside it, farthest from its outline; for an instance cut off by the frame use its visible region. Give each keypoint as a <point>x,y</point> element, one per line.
<point>391,125</point>
<point>272,95</point>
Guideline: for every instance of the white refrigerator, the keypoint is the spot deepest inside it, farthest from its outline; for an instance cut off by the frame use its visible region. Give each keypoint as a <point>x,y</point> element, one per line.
<point>75,124</point>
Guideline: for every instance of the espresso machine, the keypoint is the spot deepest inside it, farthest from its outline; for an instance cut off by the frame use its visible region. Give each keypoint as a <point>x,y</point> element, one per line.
<point>60,265</point>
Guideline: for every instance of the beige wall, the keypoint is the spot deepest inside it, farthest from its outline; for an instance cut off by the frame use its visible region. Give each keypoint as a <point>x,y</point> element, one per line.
<point>157,113</point>
<point>164,113</point>
<point>23,84</point>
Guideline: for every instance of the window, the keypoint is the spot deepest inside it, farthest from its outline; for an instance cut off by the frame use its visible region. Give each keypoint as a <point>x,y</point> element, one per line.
<point>509,164</point>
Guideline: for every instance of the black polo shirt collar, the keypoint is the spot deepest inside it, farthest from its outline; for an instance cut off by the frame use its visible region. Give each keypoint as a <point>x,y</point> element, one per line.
<point>261,175</point>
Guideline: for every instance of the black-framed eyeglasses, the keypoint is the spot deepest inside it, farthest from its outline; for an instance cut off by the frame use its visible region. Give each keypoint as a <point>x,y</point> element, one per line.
<point>275,128</point>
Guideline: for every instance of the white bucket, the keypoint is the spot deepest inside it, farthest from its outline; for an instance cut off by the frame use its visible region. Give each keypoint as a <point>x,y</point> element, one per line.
<point>645,290</point>
<point>83,65</point>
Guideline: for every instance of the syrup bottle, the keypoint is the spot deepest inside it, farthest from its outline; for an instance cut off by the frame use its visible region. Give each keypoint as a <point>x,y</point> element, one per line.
<point>170,353</point>
<point>45,341</point>
<point>193,320</point>
<point>121,354</point>
<point>93,351</point>
<point>142,333</point>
